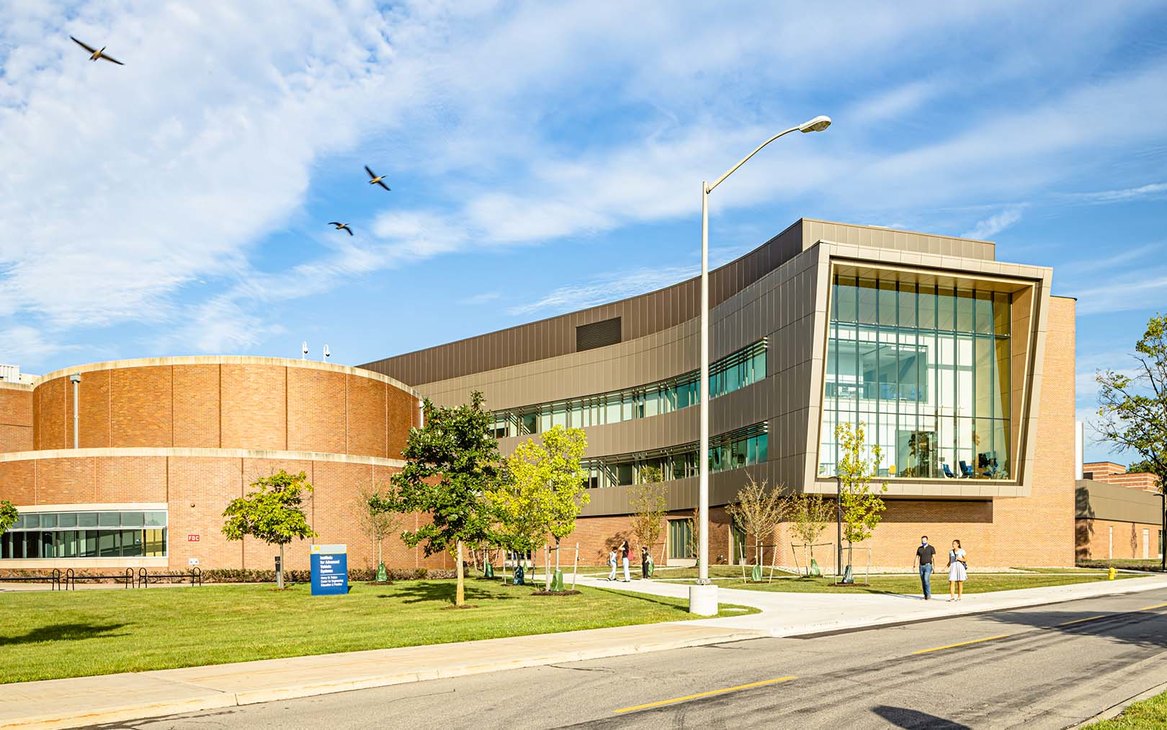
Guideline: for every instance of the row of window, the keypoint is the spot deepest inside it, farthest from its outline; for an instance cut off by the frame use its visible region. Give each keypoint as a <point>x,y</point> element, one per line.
<point>68,520</point>
<point>729,451</point>
<point>730,373</point>
<point>26,544</point>
<point>920,306</point>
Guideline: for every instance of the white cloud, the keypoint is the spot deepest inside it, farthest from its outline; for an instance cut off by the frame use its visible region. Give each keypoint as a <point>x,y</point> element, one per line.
<point>605,289</point>
<point>1122,195</point>
<point>993,225</point>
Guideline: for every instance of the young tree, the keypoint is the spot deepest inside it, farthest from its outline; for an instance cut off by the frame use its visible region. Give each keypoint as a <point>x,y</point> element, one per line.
<point>450,465</point>
<point>1132,409</point>
<point>862,508</point>
<point>271,513</point>
<point>649,506</point>
<point>545,490</point>
<point>378,514</point>
<point>695,528</point>
<point>7,516</point>
<point>757,512</point>
<point>810,514</point>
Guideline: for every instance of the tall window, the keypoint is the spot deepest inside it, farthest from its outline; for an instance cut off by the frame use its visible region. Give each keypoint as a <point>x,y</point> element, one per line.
<point>926,368</point>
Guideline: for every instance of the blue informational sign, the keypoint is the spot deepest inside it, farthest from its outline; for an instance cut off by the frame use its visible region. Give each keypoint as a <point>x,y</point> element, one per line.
<point>329,570</point>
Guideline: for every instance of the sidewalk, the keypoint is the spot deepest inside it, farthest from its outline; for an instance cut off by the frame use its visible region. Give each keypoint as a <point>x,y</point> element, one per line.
<point>800,614</point>
<point>122,697</point>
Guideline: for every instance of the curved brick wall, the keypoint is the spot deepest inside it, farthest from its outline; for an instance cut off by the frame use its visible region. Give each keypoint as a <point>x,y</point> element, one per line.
<point>231,403</point>
<point>196,487</point>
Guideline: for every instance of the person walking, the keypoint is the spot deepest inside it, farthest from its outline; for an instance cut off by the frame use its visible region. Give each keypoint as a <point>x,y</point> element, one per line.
<point>925,554</point>
<point>612,564</point>
<point>624,560</point>
<point>957,571</point>
<point>644,559</point>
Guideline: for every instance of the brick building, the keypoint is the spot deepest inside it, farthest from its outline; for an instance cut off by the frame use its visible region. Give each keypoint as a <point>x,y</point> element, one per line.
<point>131,463</point>
<point>1119,514</point>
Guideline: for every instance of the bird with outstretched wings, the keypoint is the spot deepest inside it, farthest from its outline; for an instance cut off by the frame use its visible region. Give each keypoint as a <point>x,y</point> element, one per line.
<point>375,179</point>
<point>95,53</point>
<point>341,226</point>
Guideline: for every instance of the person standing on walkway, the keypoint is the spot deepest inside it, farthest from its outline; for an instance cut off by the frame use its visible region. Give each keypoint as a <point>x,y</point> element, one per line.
<point>624,559</point>
<point>644,562</point>
<point>925,554</point>
<point>957,571</point>
<point>612,564</point>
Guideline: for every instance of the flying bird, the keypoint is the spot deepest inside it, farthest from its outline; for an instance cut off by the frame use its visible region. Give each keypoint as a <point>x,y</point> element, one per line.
<point>341,226</point>
<point>95,54</point>
<point>375,179</point>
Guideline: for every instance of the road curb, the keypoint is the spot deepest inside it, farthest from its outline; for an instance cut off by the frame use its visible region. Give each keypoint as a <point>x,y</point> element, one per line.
<point>216,699</point>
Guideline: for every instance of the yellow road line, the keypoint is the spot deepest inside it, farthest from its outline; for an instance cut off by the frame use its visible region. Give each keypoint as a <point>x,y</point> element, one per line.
<point>710,693</point>
<point>963,643</point>
<point>1082,620</point>
<point>1152,608</point>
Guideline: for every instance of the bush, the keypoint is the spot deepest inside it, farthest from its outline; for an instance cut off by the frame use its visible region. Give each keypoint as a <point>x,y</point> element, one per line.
<point>355,575</point>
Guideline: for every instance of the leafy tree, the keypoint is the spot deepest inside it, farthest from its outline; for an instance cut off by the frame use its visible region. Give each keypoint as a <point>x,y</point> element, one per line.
<point>272,513</point>
<point>757,512</point>
<point>862,508</point>
<point>649,506</point>
<point>450,465</point>
<point>545,490</point>
<point>810,514</point>
<point>1133,408</point>
<point>378,515</point>
<point>7,516</point>
<point>1141,467</point>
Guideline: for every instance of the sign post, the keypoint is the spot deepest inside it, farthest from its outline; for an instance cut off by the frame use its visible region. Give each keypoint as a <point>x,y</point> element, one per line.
<point>329,570</point>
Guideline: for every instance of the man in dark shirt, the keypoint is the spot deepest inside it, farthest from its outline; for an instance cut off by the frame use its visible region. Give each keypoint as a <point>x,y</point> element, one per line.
<point>924,556</point>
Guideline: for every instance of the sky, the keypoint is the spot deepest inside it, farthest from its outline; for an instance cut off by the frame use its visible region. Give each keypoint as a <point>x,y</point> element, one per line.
<point>546,157</point>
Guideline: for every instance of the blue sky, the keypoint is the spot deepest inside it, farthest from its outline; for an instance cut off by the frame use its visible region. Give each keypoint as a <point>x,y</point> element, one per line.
<point>545,157</point>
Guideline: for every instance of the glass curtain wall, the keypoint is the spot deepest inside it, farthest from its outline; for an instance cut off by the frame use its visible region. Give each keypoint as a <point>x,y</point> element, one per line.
<point>926,368</point>
<point>86,535</point>
<point>730,373</point>
<point>728,451</point>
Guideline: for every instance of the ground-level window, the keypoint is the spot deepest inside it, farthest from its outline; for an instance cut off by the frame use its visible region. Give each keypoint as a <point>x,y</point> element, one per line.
<point>681,539</point>
<point>88,534</point>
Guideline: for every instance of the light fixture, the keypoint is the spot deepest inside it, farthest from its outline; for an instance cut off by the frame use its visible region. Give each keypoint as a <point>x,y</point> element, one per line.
<point>817,124</point>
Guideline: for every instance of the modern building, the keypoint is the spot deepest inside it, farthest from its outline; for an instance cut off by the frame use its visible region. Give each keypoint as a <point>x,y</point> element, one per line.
<point>130,464</point>
<point>960,366</point>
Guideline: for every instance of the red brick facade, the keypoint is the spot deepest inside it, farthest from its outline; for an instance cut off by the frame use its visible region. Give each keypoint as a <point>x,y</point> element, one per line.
<point>247,417</point>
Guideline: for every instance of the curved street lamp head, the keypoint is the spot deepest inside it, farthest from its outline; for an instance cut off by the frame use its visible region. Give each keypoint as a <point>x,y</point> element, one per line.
<point>817,124</point>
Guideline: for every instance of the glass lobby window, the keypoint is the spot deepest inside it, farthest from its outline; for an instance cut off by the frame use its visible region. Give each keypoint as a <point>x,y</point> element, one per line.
<point>129,533</point>
<point>926,368</point>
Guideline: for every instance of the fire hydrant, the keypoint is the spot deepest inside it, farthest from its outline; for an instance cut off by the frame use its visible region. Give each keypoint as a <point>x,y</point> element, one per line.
<point>1111,573</point>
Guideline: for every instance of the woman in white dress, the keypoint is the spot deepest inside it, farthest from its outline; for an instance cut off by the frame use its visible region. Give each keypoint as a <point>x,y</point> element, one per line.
<point>957,571</point>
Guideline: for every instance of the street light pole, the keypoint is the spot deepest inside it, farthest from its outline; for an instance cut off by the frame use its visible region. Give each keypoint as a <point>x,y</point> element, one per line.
<point>703,596</point>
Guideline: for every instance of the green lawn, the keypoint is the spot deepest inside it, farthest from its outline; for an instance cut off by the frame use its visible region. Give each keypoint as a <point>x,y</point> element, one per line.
<point>47,635</point>
<point>977,583</point>
<point>1149,714</point>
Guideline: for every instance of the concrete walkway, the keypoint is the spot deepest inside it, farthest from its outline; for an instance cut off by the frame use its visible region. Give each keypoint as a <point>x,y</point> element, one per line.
<point>122,697</point>
<point>800,614</point>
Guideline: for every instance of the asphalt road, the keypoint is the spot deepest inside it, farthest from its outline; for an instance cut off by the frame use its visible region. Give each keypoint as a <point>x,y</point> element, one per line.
<point>1044,667</point>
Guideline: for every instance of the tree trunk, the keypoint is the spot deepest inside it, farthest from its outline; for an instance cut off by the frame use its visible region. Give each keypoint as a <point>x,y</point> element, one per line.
<point>460,593</point>
<point>280,572</point>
